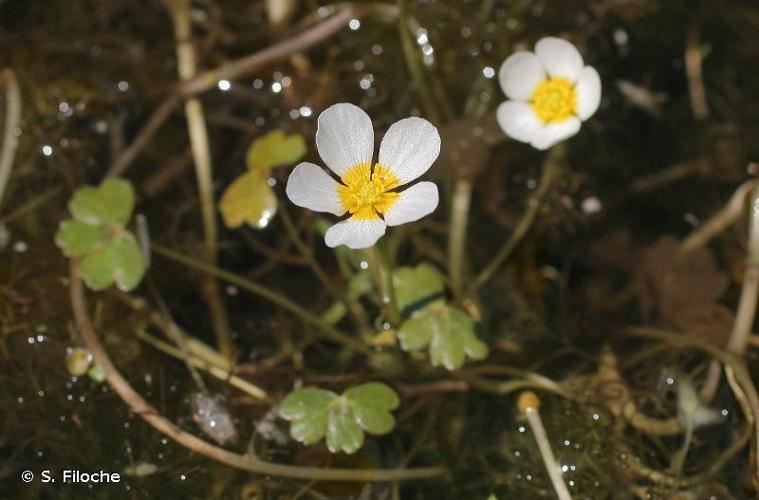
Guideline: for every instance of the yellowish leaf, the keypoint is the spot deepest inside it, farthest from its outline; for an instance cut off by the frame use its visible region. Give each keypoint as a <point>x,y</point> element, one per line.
<point>274,148</point>
<point>249,199</point>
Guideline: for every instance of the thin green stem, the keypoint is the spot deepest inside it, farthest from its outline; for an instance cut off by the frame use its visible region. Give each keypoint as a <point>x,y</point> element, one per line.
<point>12,118</point>
<point>382,274</point>
<point>462,197</point>
<point>263,292</point>
<point>355,308</point>
<point>551,172</point>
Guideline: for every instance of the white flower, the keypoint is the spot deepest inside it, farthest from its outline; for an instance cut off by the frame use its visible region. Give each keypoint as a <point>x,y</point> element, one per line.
<point>551,92</point>
<point>370,195</point>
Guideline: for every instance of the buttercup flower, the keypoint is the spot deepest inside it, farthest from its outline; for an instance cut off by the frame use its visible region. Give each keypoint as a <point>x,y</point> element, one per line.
<point>551,92</point>
<point>372,195</point>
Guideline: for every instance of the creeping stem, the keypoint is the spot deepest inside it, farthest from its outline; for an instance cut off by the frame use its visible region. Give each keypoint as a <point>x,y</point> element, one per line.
<point>152,416</point>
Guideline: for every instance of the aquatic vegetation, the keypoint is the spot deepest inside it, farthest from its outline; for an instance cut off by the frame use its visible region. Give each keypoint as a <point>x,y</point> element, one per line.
<point>367,192</point>
<point>551,92</point>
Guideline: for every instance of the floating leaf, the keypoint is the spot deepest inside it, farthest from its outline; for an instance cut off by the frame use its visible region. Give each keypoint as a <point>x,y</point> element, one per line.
<point>119,260</point>
<point>76,238</point>
<point>316,413</point>
<point>449,333</point>
<point>249,199</point>
<point>417,286</point>
<point>274,148</point>
<point>110,203</point>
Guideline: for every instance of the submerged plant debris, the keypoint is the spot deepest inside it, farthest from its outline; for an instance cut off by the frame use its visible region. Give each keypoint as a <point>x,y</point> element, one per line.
<point>170,312</point>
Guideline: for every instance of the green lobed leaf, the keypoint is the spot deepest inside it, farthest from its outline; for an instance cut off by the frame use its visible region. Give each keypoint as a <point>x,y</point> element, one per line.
<point>119,260</point>
<point>76,238</point>
<point>316,413</point>
<point>343,432</point>
<point>111,203</point>
<point>417,286</point>
<point>304,402</point>
<point>371,404</point>
<point>274,148</point>
<point>448,331</point>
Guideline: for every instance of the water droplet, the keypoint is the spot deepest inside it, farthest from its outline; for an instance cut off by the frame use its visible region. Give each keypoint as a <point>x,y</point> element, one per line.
<point>224,85</point>
<point>47,150</point>
<point>354,24</point>
<point>488,71</point>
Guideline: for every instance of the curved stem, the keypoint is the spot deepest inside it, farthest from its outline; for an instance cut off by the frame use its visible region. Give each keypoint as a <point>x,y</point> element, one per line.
<point>382,274</point>
<point>249,463</point>
<point>12,117</point>
<point>260,290</point>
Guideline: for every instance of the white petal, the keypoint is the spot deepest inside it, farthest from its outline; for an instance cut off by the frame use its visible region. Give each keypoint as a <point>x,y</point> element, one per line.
<point>517,120</point>
<point>311,187</point>
<point>559,57</point>
<point>344,137</point>
<point>412,204</point>
<point>409,148</point>
<point>588,92</point>
<point>520,73</point>
<point>355,233</point>
<point>548,135</point>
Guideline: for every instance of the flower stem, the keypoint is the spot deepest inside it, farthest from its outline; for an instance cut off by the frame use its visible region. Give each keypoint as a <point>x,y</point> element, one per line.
<point>379,266</point>
<point>462,197</point>
<point>551,171</point>
<point>528,405</point>
<point>354,307</point>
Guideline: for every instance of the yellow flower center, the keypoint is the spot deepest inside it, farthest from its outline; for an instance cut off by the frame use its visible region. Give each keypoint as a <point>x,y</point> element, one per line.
<point>554,100</point>
<point>365,194</point>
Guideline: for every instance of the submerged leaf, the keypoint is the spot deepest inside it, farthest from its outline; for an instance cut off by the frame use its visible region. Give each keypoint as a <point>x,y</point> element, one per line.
<point>316,413</point>
<point>111,203</point>
<point>249,199</point>
<point>274,148</point>
<point>449,333</point>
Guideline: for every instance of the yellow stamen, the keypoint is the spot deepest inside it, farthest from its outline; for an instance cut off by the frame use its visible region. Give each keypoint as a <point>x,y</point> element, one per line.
<point>366,195</point>
<point>554,100</point>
